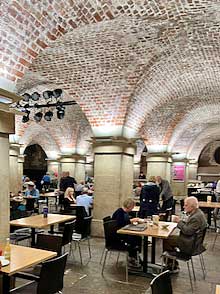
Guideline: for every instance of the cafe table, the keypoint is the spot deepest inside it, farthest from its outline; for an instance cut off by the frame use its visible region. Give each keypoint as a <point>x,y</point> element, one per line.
<point>40,222</point>
<point>22,258</point>
<point>209,205</point>
<point>50,195</point>
<point>154,231</point>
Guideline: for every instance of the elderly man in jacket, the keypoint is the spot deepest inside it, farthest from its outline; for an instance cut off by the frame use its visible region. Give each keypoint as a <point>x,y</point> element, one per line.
<point>195,222</point>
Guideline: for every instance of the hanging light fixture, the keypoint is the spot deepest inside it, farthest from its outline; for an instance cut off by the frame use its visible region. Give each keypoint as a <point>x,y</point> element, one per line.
<point>52,99</point>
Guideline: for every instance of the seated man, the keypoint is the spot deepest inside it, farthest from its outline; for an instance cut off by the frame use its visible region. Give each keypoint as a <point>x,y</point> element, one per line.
<point>32,194</point>
<point>195,222</point>
<point>122,217</point>
<point>85,200</point>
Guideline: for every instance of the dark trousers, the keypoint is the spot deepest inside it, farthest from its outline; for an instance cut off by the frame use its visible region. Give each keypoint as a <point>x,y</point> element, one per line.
<point>167,204</point>
<point>134,245</point>
<point>169,245</point>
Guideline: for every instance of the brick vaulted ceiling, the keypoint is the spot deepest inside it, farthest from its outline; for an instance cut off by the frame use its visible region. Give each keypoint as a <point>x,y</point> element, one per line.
<point>135,68</point>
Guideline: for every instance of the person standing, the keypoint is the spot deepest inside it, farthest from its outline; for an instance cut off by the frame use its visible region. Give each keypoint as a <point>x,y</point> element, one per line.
<point>46,181</point>
<point>166,194</point>
<point>149,198</point>
<point>67,181</point>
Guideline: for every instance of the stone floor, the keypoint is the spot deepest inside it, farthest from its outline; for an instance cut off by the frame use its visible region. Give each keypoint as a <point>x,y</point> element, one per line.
<point>88,278</point>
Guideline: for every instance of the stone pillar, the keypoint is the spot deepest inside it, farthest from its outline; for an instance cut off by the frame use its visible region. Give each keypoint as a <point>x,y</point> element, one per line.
<point>159,164</point>
<point>14,179</point>
<point>136,170</point>
<point>192,170</point>
<point>6,127</point>
<point>179,186</point>
<point>20,169</point>
<point>67,163</point>
<point>53,166</point>
<point>113,176</point>
<point>75,164</point>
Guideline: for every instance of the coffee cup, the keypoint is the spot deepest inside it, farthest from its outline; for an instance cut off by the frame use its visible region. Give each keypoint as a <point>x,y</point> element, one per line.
<point>173,218</point>
<point>209,198</point>
<point>156,219</point>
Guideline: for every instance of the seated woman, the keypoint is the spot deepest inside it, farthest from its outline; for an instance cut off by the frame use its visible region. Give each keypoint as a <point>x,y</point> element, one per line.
<point>122,217</point>
<point>149,198</point>
<point>69,198</point>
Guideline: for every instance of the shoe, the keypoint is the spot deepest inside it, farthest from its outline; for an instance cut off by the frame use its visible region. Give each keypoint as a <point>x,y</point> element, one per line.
<point>175,270</point>
<point>132,262</point>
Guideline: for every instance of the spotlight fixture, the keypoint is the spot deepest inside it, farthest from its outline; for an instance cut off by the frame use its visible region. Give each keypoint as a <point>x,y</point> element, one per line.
<point>26,97</point>
<point>25,118</point>
<point>38,116</point>
<point>48,94</point>
<point>60,111</point>
<point>49,99</point>
<point>48,115</point>
<point>35,96</point>
<point>57,93</point>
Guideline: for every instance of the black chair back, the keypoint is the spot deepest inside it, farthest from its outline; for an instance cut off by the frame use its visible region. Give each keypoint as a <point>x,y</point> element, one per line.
<point>107,218</point>
<point>68,232</point>
<point>112,239</point>
<point>49,242</point>
<point>199,239</point>
<point>51,275</point>
<point>162,284</point>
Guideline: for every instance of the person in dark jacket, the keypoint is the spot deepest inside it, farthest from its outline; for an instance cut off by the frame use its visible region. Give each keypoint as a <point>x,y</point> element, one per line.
<point>121,215</point>
<point>67,181</point>
<point>149,198</point>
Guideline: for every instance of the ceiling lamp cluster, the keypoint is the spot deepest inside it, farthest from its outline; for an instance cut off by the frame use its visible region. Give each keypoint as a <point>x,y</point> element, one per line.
<point>52,100</point>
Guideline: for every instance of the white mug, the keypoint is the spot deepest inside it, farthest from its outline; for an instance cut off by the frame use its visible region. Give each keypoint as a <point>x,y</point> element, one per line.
<point>209,198</point>
<point>173,218</point>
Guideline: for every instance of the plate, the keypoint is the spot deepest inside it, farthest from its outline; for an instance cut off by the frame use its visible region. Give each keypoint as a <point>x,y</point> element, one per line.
<point>4,261</point>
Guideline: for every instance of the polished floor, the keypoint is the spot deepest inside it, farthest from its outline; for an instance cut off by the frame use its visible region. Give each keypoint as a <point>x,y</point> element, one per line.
<point>88,278</point>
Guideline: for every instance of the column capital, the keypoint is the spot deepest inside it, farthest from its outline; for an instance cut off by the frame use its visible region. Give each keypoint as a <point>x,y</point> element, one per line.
<point>114,145</point>
<point>72,158</point>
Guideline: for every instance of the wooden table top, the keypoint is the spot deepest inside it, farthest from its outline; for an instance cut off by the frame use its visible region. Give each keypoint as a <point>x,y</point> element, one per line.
<point>152,231</point>
<point>24,257</point>
<point>217,290</point>
<point>209,204</point>
<point>49,194</point>
<point>39,221</point>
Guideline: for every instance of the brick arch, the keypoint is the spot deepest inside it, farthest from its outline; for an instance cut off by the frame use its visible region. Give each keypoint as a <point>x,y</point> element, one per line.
<point>211,134</point>
<point>28,27</point>
<point>197,123</point>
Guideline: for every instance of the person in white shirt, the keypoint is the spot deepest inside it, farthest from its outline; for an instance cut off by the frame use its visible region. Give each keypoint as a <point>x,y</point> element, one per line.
<point>85,200</point>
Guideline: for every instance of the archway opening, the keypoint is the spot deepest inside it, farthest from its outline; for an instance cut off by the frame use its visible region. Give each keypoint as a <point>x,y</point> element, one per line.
<point>35,164</point>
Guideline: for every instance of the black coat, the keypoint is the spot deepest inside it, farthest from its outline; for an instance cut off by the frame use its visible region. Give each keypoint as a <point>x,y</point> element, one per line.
<point>149,200</point>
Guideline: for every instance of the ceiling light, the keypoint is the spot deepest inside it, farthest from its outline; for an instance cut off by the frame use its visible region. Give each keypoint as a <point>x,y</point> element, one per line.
<point>48,115</point>
<point>26,97</point>
<point>25,118</point>
<point>35,96</point>
<point>38,116</point>
<point>57,93</point>
<point>60,113</point>
<point>48,94</point>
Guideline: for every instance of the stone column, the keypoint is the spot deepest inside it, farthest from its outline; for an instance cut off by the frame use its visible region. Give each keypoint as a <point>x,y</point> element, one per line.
<point>20,169</point>
<point>179,187</point>
<point>14,180</point>
<point>136,170</point>
<point>75,164</point>
<point>192,170</point>
<point>67,163</point>
<point>113,176</point>
<point>6,128</point>
<point>159,164</point>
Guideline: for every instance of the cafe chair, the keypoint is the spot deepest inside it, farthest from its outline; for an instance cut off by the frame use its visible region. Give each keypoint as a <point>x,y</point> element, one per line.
<point>82,233</point>
<point>105,219</point>
<point>197,249</point>
<point>49,242</point>
<point>20,235</point>
<point>50,280</point>
<point>113,243</point>
<point>161,284</point>
<point>216,236</point>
